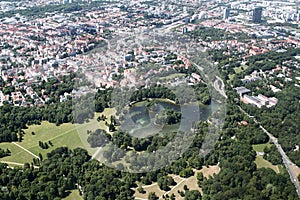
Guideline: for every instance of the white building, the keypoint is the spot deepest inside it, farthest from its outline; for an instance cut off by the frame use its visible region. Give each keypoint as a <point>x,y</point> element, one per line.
<point>1,98</point>
<point>253,100</point>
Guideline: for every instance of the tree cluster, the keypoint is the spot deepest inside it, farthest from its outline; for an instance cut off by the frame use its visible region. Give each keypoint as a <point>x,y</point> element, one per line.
<point>65,170</point>
<point>4,153</point>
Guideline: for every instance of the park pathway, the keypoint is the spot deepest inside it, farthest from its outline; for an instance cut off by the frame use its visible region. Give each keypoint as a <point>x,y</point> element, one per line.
<point>26,150</point>
<point>15,163</point>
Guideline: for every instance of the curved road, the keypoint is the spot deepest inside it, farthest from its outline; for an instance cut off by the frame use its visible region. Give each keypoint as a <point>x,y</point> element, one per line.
<point>220,89</point>
<point>217,87</point>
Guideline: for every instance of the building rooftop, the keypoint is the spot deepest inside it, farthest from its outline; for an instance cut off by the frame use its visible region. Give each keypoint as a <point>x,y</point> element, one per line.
<point>242,90</point>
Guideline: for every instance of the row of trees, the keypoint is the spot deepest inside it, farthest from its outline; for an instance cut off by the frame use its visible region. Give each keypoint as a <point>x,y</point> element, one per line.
<point>271,154</point>
<point>4,152</point>
<point>45,145</point>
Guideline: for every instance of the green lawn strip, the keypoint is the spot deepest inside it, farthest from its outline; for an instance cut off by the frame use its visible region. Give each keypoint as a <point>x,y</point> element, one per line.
<point>240,69</point>
<point>12,148</point>
<point>25,144</point>
<point>260,147</point>
<point>22,157</point>
<point>262,163</point>
<point>18,155</point>
<point>74,195</point>
<point>75,137</point>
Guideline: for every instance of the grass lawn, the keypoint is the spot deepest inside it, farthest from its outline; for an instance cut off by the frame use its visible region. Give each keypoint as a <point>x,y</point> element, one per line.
<point>149,188</point>
<point>74,195</point>
<point>18,155</point>
<point>68,135</point>
<point>262,163</point>
<point>260,147</point>
<point>231,76</point>
<point>237,70</point>
<point>240,69</point>
<point>68,139</point>
<point>107,112</point>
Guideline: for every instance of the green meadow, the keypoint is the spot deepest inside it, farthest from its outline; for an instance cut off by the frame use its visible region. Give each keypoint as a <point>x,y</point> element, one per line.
<point>66,135</point>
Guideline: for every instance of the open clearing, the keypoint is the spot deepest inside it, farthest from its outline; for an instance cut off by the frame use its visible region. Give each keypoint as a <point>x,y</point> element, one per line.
<point>18,155</point>
<point>231,76</point>
<point>237,70</point>
<point>240,69</point>
<point>74,195</point>
<point>63,135</point>
<point>66,135</point>
<point>262,163</point>
<point>191,183</point>
<point>260,147</point>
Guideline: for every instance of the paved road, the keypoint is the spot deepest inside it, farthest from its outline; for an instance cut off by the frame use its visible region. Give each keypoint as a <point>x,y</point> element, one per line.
<point>286,161</point>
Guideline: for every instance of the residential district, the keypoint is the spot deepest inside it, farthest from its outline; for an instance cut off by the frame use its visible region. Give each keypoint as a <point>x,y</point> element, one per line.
<point>34,49</point>
<point>42,41</point>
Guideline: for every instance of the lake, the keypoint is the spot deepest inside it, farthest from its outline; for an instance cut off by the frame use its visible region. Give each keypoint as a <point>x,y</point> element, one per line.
<point>140,120</point>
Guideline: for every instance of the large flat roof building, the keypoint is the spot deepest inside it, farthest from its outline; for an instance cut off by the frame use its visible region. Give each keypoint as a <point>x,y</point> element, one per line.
<point>253,100</point>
